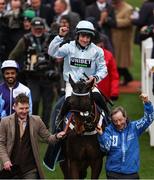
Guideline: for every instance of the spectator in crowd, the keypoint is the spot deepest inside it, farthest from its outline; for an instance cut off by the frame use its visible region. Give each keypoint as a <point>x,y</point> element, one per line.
<point>103,15</point>
<point>109,86</point>
<point>121,141</point>
<point>146,32</point>
<point>122,39</point>
<point>60,9</point>
<point>78,6</point>
<point>2,6</point>
<point>21,147</point>
<point>145,18</point>
<point>28,15</point>
<point>2,33</point>
<point>2,12</point>
<point>42,11</point>
<point>10,88</point>
<point>14,24</point>
<point>80,56</point>
<point>66,22</point>
<point>11,27</point>
<point>31,53</point>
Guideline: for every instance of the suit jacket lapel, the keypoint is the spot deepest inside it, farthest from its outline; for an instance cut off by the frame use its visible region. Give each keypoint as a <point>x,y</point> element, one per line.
<point>12,126</point>
<point>31,127</point>
<point>11,138</point>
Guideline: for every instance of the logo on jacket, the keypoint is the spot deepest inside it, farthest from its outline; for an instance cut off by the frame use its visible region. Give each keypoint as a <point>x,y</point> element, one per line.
<point>114,140</point>
<point>130,137</point>
<point>86,63</point>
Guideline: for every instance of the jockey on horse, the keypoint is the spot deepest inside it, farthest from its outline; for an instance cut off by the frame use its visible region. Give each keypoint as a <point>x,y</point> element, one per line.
<point>81,57</point>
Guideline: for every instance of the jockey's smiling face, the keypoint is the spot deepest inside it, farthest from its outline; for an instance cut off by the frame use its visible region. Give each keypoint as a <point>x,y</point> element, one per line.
<point>84,39</point>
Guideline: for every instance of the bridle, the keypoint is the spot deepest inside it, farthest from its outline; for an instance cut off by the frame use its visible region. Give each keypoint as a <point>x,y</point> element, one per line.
<point>87,119</point>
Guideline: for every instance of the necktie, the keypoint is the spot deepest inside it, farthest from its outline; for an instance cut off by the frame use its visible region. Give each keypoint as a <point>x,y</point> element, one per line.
<point>22,127</point>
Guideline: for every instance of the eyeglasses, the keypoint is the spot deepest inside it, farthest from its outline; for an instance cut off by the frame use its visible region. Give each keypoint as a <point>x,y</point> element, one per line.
<point>2,3</point>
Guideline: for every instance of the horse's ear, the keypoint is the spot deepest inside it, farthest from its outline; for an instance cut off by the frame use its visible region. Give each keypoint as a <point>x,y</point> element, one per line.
<point>71,81</point>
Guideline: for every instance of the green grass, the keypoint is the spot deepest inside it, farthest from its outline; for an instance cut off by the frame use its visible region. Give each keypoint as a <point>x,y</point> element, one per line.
<point>147,158</point>
<point>136,67</point>
<point>135,3</point>
<point>134,107</point>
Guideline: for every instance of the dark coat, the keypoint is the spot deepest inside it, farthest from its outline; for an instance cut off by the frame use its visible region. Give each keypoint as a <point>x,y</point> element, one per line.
<point>46,13</point>
<point>146,18</point>
<point>93,11</point>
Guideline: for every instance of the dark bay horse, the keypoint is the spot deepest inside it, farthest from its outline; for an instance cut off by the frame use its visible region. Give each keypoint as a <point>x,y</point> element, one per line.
<point>81,148</point>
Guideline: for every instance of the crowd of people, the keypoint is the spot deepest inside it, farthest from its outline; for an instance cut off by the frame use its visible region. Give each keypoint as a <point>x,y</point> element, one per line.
<point>42,42</point>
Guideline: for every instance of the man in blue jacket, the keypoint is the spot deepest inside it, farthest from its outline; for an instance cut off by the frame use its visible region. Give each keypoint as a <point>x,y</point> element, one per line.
<point>121,141</point>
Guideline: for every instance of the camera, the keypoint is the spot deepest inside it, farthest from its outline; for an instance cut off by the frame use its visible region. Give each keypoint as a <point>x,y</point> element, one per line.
<point>53,75</point>
<point>149,30</point>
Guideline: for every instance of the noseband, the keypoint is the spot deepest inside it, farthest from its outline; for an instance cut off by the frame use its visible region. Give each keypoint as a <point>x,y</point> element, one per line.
<point>87,118</point>
<point>80,94</point>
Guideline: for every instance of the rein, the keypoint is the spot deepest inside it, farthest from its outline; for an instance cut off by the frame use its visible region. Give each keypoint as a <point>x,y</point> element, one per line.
<point>95,112</point>
<point>69,122</point>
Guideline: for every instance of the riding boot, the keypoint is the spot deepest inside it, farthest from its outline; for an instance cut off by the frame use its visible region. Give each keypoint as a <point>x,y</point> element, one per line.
<point>64,109</point>
<point>124,72</point>
<point>102,104</point>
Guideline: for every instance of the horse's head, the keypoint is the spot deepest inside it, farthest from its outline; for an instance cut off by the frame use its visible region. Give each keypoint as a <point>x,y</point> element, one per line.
<point>81,87</point>
<point>83,105</point>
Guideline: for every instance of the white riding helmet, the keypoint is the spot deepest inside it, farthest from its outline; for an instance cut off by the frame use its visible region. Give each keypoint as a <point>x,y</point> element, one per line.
<point>9,64</point>
<point>85,27</point>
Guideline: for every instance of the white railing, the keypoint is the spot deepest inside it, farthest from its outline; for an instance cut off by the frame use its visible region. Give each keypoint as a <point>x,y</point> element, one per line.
<point>146,54</point>
<point>147,71</point>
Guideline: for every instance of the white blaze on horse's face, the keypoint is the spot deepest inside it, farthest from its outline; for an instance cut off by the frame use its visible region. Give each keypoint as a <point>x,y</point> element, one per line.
<point>84,113</point>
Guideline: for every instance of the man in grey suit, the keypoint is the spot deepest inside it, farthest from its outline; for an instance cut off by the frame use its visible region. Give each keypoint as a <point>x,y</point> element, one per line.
<point>19,140</point>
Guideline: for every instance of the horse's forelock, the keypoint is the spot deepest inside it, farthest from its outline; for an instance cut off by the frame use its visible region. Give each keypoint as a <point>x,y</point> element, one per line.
<point>81,103</point>
<point>80,87</point>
